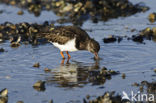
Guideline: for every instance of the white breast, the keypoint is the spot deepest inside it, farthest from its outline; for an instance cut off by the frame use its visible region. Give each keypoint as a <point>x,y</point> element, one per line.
<point>69,46</point>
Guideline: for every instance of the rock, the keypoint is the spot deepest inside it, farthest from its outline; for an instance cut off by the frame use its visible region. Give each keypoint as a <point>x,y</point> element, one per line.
<point>2,50</point>
<point>51,101</point>
<point>3,99</point>
<point>135,84</point>
<point>155,70</point>
<point>81,10</point>
<point>39,85</point>
<point>137,38</point>
<point>15,45</point>
<point>123,76</point>
<point>119,39</point>
<point>154,31</point>
<point>146,32</point>
<point>4,96</point>
<point>37,65</point>
<point>114,72</point>
<point>110,39</point>
<point>132,30</point>
<point>20,12</point>
<point>141,88</point>
<point>13,3</point>
<point>4,93</point>
<point>152,17</point>
<point>47,70</point>
<point>19,102</point>
<point>67,8</point>
<point>1,35</point>
<point>108,97</point>
<point>87,96</point>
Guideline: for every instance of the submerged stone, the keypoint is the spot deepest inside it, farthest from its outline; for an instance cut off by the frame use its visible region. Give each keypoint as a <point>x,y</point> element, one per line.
<point>39,85</point>
<point>2,50</point>
<point>20,12</point>
<point>123,76</point>
<point>152,17</point>
<point>15,45</point>
<point>154,31</point>
<point>47,70</point>
<point>4,92</point>
<point>4,96</point>
<point>19,102</point>
<point>110,39</point>
<point>137,38</point>
<point>37,65</point>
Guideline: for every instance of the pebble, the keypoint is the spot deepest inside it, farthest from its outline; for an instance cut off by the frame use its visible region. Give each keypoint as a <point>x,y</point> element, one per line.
<point>4,96</point>
<point>4,92</point>
<point>19,102</point>
<point>39,85</point>
<point>154,31</point>
<point>47,70</point>
<point>123,75</point>
<point>110,39</point>
<point>2,50</point>
<point>108,97</point>
<point>51,101</point>
<point>88,96</point>
<point>137,38</point>
<point>20,12</point>
<point>135,84</point>
<point>37,65</point>
<point>141,88</point>
<point>15,45</point>
<point>152,17</point>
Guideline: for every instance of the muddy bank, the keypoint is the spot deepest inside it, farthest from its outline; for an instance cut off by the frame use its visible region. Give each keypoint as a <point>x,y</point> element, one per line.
<point>80,10</point>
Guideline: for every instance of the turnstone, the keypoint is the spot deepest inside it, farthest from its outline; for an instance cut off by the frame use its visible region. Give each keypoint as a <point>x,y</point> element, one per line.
<point>72,38</point>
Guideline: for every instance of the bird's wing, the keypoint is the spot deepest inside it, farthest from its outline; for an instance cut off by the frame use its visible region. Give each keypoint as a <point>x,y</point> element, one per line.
<point>63,34</point>
<point>78,32</point>
<point>60,35</point>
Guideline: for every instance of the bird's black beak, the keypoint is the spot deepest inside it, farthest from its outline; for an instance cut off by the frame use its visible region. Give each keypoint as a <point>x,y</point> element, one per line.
<point>96,56</point>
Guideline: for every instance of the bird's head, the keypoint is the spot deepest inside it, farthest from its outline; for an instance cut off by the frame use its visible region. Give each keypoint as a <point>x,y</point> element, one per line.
<point>94,47</point>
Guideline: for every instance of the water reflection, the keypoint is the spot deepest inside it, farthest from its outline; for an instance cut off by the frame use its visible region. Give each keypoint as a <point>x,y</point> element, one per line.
<point>75,74</point>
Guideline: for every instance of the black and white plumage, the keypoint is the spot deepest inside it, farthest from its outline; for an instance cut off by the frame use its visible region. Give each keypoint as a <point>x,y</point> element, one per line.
<point>72,38</point>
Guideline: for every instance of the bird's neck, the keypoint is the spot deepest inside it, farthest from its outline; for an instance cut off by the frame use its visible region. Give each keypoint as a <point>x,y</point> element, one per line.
<point>83,45</point>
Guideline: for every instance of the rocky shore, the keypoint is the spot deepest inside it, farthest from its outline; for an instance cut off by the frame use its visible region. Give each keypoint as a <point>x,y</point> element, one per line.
<point>145,34</point>
<point>34,34</point>
<point>80,10</point>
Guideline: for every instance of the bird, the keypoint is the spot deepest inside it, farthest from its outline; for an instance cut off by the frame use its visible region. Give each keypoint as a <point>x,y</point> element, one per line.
<point>72,38</point>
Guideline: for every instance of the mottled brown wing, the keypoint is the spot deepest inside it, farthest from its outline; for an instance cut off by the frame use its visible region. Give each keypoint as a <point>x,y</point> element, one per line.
<point>78,32</point>
<point>57,38</point>
<point>60,35</point>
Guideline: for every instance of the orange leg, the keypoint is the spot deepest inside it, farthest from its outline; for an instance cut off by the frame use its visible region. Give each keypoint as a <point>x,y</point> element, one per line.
<point>68,55</point>
<point>62,55</point>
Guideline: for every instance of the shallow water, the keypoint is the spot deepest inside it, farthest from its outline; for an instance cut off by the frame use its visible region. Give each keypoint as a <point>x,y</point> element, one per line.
<point>71,82</point>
